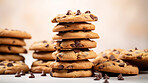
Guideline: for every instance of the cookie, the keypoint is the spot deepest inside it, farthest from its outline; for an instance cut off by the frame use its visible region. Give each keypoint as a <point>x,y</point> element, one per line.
<point>72,55</point>
<point>70,44</point>
<point>73,26</point>
<point>11,57</point>
<point>136,57</point>
<point>12,49</point>
<point>43,55</point>
<point>75,17</point>
<point>14,34</point>
<point>12,41</point>
<point>113,65</point>
<point>72,65</point>
<point>40,65</point>
<point>43,46</point>
<point>71,73</point>
<point>76,35</point>
<point>12,67</point>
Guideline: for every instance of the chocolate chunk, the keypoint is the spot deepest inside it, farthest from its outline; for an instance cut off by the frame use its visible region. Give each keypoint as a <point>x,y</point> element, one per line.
<point>112,58</point>
<point>73,45</point>
<point>61,67</point>
<point>51,74</point>
<point>78,12</point>
<point>22,72</point>
<point>13,61</point>
<point>68,12</point>
<point>60,55</point>
<point>136,48</point>
<point>1,64</point>
<point>46,45</point>
<point>106,76</point>
<point>76,50</point>
<point>121,64</point>
<point>18,74</point>
<point>104,56</point>
<point>32,75</point>
<point>43,73</point>
<point>69,67</point>
<point>101,67</point>
<point>120,77</point>
<point>87,11</point>
<point>9,48</point>
<point>78,44</point>
<point>93,17</point>
<point>97,78</point>
<point>113,63</point>
<point>64,16</point>
<point>57,59</point>
<point>44,41</point>
<point>13,42</point>
<point>9,64</point>
<point>130,51</point>
<point>139,57</point>
<point>117,60</point>
<point>106,81</point>
<point>114,50</point>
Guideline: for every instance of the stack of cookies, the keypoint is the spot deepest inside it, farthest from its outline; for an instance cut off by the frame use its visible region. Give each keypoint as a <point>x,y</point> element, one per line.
<point>43,54</point>
<point>73,43</point>
<point>11,45</point>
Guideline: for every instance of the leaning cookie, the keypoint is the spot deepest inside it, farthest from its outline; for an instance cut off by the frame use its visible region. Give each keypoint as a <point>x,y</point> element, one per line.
<point>12,67</point>
<point>12,41</point>
<point>14,34</point>
<point>75,54</point>
<point>12,49</point>
<point>71,73</point>
<point>73,26</point>
<point>114,65</point>
<point>40,65</point>
<point>11,57</point>
<point>79,43</point>
<point>76,35</point>
<point>43,46</point>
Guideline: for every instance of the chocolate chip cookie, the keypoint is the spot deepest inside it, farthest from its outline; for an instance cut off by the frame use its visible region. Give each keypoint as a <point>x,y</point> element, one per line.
<point>40,65</point>
<point>76,35</point>
<point>12,41</point>
<point>73,26</point>
<point>11,57</point>
<point>12,67</point>
<point>43,46</point>
<point>14,34</point>
<point>79,43</point>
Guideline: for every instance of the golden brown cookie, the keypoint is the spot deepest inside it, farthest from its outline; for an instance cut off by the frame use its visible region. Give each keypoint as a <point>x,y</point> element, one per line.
<point>11,57</point>
<point>73,26</point>
<point>76,35</point>
<point>43,46</point>
<point>14,34</point>
<point>12,49</point>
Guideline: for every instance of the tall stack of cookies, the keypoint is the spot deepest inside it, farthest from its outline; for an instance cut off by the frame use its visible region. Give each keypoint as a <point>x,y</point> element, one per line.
<point>43,54</point>
<point>73,43</point>
<point>11,45</point>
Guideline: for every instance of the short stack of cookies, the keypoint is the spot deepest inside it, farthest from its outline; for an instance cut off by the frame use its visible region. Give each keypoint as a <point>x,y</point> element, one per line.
<point>11,45</point>
<point>43,54</point>
<point>73,43</point>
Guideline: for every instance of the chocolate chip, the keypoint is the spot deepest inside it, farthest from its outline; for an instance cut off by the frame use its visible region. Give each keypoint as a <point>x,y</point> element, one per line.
<point>106,81</point>
<point>117,60</point>
<point>78,44</point>
<point>139,57</point>
<point>47,45</point>
<point>112,58</point>
<point>129,54</point>
<point>120,77</point>
<point>32,75</point>
<point>61,67</point>
<point>114,50</point>
<point>87,11</point>
<point>9,48</point>
<point>43,73</point>
<point>136,48</point>
<point>93,17</point>
<point>51,74</point>
<point>13,62</point>
<point>73,45</point>
<point>13,42</point>
<point>9,64</point>
<point>69,67</point>
<point>57,59</point>
<point>1,64</point>
<point>101,67</point>
<point>104,56</point>
<point>68,12</point>
<point>130,50</point>
<point>22,72</point>
<point>106,76</point>
<point>113,63</point>
<point>60,55</point>
<point>78,12</point>
<point>76,50</point>
<point>18,74</point>
<point>44,41</point>
<point>121,64</point>
<point>64,16</point>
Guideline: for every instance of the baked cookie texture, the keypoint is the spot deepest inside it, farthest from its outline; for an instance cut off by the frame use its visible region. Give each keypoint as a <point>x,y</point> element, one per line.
<point>12,41</point>
<point>14,34</point>
<point>11,57</point>
<point>108,62</point>
<point>41,65</point>
<point>12,67</point>
<point>43,55</point>
<point>75,17</point>
<point>43,46</point>
<point>73,26</point>
<point>79,43</point>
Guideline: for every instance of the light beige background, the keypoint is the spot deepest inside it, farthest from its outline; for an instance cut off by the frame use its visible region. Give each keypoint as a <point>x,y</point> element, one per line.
<point>121,24</point>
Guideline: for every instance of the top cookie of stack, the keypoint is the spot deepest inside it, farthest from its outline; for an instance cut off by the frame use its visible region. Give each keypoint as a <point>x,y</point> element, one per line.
<point>73,41</point>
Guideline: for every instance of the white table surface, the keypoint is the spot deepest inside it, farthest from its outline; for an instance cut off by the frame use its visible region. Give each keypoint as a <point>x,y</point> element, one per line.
<point>141,78</point>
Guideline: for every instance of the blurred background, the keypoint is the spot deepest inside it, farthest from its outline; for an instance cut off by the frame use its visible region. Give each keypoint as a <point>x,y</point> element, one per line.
<point>121,24</point>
